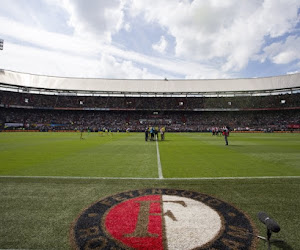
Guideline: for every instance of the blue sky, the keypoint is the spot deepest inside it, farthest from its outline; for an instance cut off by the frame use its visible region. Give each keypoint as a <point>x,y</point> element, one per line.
<point>151,39</point>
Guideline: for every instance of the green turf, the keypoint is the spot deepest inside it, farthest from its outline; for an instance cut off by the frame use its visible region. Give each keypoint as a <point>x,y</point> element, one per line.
<point>64,154</point>
<point>203,155</point>
<point>187,155</point>
<point>37,213</point>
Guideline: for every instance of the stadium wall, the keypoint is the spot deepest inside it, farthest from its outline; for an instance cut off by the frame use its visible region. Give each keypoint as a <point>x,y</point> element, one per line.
<point>149,86</point>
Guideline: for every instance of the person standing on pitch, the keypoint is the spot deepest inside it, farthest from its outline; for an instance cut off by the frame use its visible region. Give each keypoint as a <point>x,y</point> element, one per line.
<point>162,136</point>
<point>146,134</point>
<point>226,134</point>
<point>81,133</point>
<point>152,134</point>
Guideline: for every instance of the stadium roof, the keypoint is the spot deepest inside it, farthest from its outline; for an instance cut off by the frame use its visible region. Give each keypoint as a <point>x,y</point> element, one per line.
<point>91,85</point>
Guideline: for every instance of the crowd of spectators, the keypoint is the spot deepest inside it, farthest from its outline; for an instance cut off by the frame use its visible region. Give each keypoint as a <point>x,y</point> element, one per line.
<point>149,103</point>
<point>65,112</point>
<point>45,120</point>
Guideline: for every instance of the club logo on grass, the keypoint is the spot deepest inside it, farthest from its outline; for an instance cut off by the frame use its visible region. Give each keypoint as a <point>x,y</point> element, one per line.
<point>162,219</point>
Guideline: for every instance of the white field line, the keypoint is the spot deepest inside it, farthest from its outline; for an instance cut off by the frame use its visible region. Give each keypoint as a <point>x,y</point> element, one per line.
<point>140,178</point>
<point>160,175</point>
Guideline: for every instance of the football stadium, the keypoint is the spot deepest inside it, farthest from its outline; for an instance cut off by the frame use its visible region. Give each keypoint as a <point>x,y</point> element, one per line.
<point>150,124</point>
<point>79,168</point>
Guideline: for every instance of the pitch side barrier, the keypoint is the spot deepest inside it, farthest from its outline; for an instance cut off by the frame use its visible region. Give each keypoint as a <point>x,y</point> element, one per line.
<point>72,131</point>
<point>247,132</point>
<point>296,131</point>
<point>61,130</point>
<point>20,130</point>
<point>146,109</point>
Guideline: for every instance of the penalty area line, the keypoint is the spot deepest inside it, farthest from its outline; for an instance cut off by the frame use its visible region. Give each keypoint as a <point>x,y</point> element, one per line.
<point>160,175</point>
<point>141,178</point>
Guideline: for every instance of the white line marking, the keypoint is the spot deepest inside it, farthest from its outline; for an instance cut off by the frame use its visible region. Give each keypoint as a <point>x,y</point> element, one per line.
<point>160,175</point>
<point>77,178</point>
<point>237,178</point>
<point>141,178</point>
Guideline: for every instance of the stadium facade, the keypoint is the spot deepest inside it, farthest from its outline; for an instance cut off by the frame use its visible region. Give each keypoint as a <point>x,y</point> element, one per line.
<point>45,103</point>
<point>289,82</point>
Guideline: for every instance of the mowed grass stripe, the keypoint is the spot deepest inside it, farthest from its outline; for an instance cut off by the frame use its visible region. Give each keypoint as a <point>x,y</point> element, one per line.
<point>197,155</point>
<point>141,178</point>
<point>182,155</point>
<point>282,150</point>
<point>64,154</point>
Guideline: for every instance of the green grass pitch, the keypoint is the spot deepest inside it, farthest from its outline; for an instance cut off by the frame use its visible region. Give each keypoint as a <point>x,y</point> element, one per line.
<point>36,212</point>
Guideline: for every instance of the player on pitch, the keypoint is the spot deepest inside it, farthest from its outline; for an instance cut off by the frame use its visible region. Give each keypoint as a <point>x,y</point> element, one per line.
<point>81,134</point>
<point>226,134</point>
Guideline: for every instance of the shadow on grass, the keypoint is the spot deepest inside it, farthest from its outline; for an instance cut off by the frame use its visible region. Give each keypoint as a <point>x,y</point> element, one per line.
<point>280,244</point>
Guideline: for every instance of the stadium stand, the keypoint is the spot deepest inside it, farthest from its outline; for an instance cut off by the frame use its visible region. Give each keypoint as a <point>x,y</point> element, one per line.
<point>44,109</point>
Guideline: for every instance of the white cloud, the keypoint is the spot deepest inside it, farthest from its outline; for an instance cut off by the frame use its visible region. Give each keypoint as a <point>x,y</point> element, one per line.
<point>173,66</point>
<point>40,61</point>
<point>127,27</point>
<point>161,45</point>
<point>285,57</point>
<point>50,40</point>
<point>112,68</point>
<point>284,52</point>
<point>212,38</point>
<point>233,30</point>
<point>293,72</point>
<point>95,17</point>
<point>77,49</point>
